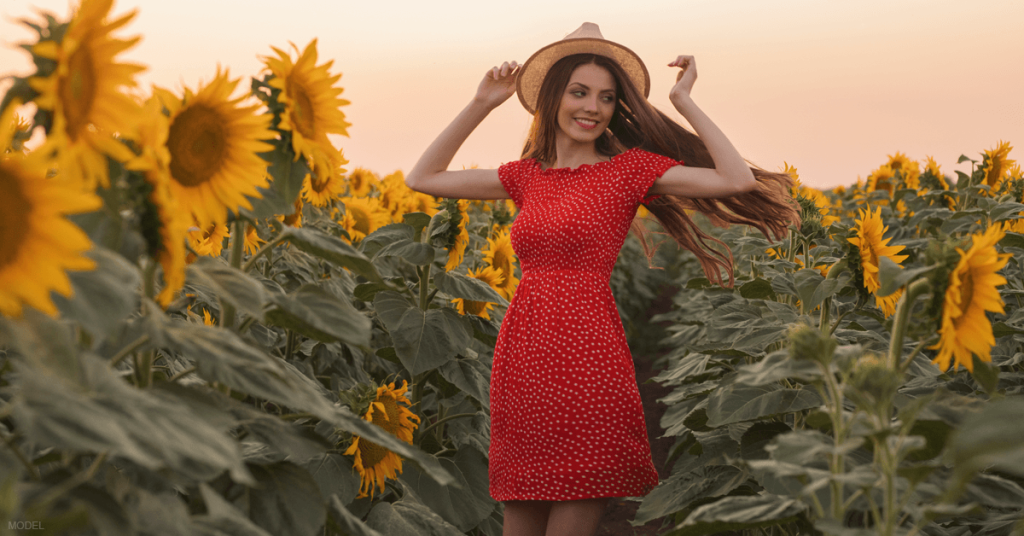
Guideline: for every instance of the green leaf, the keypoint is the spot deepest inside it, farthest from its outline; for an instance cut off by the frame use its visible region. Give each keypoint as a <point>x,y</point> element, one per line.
<point>423,340</point>
<point>406,518</point>
<point>738,403</point>
<point>758,289</point>
<point>232,284</point>
<point>416,253</point>
<point>1004,211</point>
<point>222,518</point>
<point>775,367</point>
<point>1012,240</point>
<point>739,512</point>
<point>335,475</point>
<point>758,436</point>
<point>102,297</point>
<point>101,412</point>
<point>986,374</point>
<point>348,522</point>
<point>321,316</point>
<point>333,250</point>
<point>467,288</point>
<point>222,356</point>
<point>366,291</point>
<point>465,504</point>
<point>680,490</point>
<point>471,376</point>
<point>384,236</point>
<point>892,276</point>
<point>286,500</point>
<point>287,175</point>
<point>991,439</point>
<point>416,220</point>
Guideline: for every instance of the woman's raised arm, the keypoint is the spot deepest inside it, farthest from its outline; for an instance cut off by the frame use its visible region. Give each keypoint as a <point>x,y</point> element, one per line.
<point>430,175</point>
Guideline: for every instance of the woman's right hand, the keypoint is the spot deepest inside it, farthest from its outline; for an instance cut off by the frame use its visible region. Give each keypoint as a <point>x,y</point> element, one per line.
<point>498,85</point>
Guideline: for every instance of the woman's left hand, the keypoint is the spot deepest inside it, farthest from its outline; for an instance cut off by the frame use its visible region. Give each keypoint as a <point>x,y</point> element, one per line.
<point>686,77</point>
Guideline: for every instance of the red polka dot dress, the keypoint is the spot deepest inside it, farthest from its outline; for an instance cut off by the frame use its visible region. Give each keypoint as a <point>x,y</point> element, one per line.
<point>567,422</point>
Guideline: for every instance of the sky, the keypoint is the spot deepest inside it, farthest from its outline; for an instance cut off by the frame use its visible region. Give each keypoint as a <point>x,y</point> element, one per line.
<point>831,88</point>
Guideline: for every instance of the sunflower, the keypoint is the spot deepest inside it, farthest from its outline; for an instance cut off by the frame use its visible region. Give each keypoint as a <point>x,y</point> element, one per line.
<point>311,103</point>
<point>208,239</point>
<point>213,142</point>
<point>965,329</point>
<point>164,223</point>
<point>488,275</point>
<point>323,187</point>
<point>996,163</point>
<point>933,169</point>
<point>252,240</point>
<point>21,131</point>
<point>909,169</point>
<point>395,196</point>
<point>374,462</point>
<point>882,178</point>
<point>295,218</point>
<point>421,202</point>
<point>85,93</point>
<point>360,181</point>
<point>500,255</point>
<point>872,246</point>
<point>791,171</point>
<point>458,249</point>
<point>37,242</point>
<point>363,215</point>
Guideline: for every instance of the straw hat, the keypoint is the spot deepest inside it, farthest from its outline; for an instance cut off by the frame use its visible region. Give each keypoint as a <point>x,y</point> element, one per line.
<point>587,39</point>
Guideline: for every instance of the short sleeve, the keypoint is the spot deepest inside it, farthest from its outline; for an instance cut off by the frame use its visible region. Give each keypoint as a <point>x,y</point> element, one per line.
<point>640,169</point>
<point>514,176</point>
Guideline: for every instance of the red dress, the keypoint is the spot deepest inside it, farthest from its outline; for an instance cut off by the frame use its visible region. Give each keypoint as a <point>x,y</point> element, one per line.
<point>567,422</point>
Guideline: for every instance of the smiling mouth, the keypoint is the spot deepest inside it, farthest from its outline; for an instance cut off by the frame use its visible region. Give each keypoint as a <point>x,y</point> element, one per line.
<point>586,123</point>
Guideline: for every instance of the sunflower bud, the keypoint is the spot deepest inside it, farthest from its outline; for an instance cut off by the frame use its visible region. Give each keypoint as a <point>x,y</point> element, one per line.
<point>872,384</point>
<point>810,218</point>
<point>810,344</point>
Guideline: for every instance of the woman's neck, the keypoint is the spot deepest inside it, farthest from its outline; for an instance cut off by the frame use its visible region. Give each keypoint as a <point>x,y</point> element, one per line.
<point>571,154</point>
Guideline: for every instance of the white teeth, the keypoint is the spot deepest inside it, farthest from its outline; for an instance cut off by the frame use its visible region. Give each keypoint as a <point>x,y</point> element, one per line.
<point>588,121</point>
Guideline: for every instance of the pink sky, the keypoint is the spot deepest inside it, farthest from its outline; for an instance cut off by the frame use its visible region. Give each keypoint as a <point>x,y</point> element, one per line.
<point>832,88</point>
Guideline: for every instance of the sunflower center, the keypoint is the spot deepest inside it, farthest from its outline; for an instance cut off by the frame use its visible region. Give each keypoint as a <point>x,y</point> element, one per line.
<point>14,216</point>
<point>197,142</point>
<point>78,91</point>
<point>302,111</point>
<point>371,453</point>
<point>390,424</point>
<point>319,185</point>
<point>966,292</point>
<point>502,262</point>
<point>474,307</point>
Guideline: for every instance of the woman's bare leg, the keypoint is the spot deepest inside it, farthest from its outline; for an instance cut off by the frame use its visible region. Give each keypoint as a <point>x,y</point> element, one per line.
<point>576,518</point>
<point>525,518</point>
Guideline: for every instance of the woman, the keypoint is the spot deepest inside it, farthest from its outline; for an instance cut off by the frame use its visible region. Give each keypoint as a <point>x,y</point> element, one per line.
<point>567,428</point>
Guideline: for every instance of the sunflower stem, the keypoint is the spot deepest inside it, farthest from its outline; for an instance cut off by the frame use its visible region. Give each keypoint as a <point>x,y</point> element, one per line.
<point>447,418</point>
<point>181,374</point>
<point>128,350</point>
<point>265,250</point>
<point>899,327</point>
<point>149,279</point>
<point>33,471</point>
<point>424,283</point>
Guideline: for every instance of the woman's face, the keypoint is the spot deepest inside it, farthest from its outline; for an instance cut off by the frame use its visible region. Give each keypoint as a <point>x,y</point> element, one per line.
<point>587,104</point>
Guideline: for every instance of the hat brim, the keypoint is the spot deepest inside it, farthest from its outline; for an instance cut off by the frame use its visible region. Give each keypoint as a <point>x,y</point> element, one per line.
<point>532,73</point>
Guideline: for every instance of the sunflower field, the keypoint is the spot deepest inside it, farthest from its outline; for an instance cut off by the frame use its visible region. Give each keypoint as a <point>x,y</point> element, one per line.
<point>211,323</point>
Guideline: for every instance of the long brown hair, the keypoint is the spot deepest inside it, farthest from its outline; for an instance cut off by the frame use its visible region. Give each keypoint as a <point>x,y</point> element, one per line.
<point>635,123</point>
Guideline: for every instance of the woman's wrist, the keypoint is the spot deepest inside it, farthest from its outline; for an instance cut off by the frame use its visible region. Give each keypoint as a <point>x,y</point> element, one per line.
<point>682,102</point>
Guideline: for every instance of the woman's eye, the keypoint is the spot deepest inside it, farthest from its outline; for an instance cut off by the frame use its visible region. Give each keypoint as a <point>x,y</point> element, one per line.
<point>577,93</point>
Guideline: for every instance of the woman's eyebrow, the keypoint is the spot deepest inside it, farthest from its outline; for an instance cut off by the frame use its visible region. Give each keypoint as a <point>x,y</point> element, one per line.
<point>584,86</point>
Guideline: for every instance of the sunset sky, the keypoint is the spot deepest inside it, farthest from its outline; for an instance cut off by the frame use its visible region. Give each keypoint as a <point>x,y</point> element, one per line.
<point>831,88</point>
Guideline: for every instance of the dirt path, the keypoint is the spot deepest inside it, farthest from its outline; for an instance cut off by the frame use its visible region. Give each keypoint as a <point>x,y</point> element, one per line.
<point>620,511</point>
